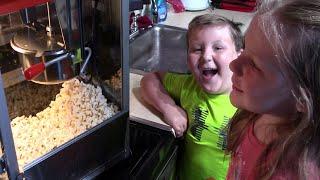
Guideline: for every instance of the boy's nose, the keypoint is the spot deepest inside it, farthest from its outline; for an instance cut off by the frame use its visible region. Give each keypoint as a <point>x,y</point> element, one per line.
<point>207,58</point>
<point>207,55</point>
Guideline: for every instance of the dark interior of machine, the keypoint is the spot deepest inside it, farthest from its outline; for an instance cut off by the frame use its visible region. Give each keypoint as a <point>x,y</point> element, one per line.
<point>151,156</point>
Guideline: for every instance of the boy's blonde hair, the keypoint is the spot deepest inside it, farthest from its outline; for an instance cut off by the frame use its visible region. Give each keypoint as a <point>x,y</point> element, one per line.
<point>293,29</point>
<point>212,19</point>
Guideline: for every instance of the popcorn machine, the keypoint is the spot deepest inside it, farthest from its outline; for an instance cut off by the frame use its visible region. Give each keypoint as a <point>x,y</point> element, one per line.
<point>63,87</point>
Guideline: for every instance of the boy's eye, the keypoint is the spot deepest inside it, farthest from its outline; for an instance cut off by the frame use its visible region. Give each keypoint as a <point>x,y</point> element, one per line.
<point>196,49</point>
<point>217,47</point>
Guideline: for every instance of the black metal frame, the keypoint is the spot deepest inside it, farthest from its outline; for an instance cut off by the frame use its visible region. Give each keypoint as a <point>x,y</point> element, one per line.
<point>97,148</point>
<point>9,151</point>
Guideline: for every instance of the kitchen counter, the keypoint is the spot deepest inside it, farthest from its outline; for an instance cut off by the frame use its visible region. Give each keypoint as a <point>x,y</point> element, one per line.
<point>142,112</point>
<point>182,19</point>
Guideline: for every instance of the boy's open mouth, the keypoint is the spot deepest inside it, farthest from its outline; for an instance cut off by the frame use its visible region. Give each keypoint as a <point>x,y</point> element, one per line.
<point>209,72</point>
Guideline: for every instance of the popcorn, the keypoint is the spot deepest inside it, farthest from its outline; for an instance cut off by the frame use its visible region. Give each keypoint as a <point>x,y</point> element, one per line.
<point>116,80</point>
<point>77,108</point>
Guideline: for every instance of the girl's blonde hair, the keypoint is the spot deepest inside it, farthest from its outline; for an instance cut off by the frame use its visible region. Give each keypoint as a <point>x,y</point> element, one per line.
<point>293,29</point>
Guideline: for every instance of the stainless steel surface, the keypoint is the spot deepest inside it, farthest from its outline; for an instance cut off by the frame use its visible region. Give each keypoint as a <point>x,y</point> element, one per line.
<point>84,65</point>
<point>35,47</point>
<point>30,41</point>
<point>68,21</point>
<point>57,59</point>
<point>54,74</point>
<point>161,48</point>
<point>9,24</point>
<point>49,27</point>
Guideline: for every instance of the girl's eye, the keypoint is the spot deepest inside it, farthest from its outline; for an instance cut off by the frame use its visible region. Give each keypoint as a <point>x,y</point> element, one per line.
<point>252,64</point>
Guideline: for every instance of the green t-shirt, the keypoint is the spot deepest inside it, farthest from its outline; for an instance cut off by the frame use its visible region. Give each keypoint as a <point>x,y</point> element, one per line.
<point>205,141</point>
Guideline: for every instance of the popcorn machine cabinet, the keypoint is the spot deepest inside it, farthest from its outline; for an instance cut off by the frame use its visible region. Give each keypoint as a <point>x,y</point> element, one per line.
<point>71,120</point>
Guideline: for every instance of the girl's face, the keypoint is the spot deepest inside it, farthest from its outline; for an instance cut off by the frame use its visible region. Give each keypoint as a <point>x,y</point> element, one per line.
<point>211,49</point>
<point>258,83</point>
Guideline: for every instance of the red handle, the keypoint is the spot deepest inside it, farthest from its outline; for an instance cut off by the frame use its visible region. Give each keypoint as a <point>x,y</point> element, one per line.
<point>34,71</point>
<point>235,7</point>
<point>8,6</point>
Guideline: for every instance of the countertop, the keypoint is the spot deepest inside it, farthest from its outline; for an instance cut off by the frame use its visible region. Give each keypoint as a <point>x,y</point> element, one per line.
<point>182,19</point>
<point>139,110</point>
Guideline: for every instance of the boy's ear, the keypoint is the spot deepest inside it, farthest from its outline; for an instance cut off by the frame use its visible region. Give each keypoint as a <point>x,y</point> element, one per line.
<point>239,52</point>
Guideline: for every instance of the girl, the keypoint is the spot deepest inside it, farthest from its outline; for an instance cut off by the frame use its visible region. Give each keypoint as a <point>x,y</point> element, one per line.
<point>275,134</point>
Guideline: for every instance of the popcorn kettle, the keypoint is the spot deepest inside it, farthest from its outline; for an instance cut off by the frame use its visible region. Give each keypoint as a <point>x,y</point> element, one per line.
<point>53,54</point>
<point>44,60</point>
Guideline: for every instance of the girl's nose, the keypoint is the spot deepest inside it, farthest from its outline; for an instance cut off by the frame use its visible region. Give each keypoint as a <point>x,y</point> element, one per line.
<point>235,66</point>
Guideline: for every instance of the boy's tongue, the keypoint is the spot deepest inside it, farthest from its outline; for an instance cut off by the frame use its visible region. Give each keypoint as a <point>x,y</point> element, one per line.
<point>209,73</point>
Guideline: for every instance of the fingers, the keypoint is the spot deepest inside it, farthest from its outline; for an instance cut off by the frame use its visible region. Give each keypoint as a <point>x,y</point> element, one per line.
<point>177,118</point>
<point>180,129</point>
<point>179,133</point>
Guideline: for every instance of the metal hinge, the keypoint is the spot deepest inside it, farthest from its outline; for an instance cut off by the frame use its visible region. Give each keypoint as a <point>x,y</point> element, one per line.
<point>3,169</point>
<point>21,176</point>
<point>2,165</point>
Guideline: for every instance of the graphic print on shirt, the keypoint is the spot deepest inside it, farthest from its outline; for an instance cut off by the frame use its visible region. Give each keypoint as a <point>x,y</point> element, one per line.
<point>199,115</point>
<point>222,132</point>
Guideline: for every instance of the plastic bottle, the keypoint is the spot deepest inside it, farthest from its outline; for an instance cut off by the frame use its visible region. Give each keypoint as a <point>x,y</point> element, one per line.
<point>162,10</point>
<point>147,10</point>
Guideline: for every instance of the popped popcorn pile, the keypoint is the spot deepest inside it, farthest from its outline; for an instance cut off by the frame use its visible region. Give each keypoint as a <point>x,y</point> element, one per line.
<point>77,107</point>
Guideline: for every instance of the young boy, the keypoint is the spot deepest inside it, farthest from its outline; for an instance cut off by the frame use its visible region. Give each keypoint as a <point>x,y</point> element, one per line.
<point>198,103</point>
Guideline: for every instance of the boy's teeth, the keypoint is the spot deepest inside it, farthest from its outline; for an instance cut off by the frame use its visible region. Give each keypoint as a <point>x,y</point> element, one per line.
<point>209,72</point>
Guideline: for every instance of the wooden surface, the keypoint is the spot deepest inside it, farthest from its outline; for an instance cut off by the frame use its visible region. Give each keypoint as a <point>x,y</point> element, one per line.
<point>140,111</point>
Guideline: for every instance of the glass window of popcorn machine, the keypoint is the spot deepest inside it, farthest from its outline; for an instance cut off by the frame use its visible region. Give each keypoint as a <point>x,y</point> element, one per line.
<point>70,120</point>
